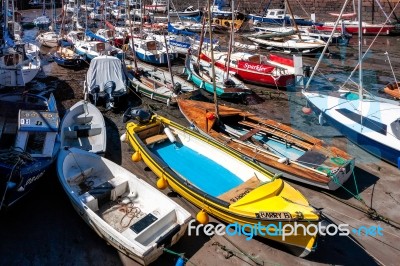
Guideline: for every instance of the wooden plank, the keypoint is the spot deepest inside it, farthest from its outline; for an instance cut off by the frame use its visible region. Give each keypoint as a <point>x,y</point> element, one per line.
<point>249,134</point>
<point>155,138</point>
<point>240,191</point>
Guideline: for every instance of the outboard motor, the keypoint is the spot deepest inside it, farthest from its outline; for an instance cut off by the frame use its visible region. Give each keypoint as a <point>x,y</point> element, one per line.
<point>109,88</point>
<point>229,83</point>
<point>177,88</point>
<point>94,92</point>
<point>140,115</point>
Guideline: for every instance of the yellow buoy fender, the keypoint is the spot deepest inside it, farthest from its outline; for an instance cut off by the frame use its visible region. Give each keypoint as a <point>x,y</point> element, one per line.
<point>202,217</point>
<point>136,157</point>
<point>162,183</point>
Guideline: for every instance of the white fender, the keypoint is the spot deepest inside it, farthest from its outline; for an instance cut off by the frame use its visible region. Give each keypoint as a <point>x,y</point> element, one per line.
<point>169,134</point>
<point>123,137</point>
<point>321,119</point>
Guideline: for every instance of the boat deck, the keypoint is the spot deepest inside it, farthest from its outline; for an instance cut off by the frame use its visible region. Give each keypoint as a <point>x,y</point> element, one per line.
<point>120,215</point>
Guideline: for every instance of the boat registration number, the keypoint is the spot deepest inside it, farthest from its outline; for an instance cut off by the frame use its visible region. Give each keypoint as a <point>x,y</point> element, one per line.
<point>274,215</point>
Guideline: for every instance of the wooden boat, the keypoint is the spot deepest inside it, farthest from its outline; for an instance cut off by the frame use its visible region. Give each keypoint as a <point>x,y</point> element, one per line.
<point>271,70</point>
<point>83,127</point>
<point>277,147</point>
<point>66,57</point>
<point>393,90</point>
<point>226,88</point>
<point>157,84</point>
<point>128,213</point>
<point>29,143</point>
<point>219,180</point>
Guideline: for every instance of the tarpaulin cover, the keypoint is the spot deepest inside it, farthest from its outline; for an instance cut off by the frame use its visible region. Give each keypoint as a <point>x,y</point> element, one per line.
<point>103,69</point>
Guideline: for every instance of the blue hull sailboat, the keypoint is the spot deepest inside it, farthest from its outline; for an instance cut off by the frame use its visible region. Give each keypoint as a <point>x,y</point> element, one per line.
<point>29,143</point>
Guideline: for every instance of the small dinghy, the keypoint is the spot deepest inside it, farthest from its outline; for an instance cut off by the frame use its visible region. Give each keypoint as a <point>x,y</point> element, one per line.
<point>127,212</point>
<point>83,127</point>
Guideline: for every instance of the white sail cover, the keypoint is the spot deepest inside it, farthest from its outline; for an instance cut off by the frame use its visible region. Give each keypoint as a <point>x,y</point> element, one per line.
<point>105,68</point>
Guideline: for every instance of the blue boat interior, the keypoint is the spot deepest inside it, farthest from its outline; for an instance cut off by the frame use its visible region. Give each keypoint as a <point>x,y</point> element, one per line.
<point>201,171</point>
<point>275,146</point>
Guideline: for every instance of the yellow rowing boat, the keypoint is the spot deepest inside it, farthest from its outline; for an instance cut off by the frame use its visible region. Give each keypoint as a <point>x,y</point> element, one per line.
<point>203,171</point>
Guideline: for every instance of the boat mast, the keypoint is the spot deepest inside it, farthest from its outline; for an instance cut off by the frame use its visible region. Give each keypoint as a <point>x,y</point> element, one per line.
<point>293,20</point>
<point>166,48</point>
<point>131,33</point>
<point>212,61</point>
<point>326,46</point>
<point>360,38</point>
<point>228,61</point>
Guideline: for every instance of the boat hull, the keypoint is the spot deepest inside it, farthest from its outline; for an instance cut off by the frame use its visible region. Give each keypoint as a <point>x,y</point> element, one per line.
<point>366,30</point>
<point>257,76</point>
<point>234,93</point>
<point>29,179</point>
<point>145,244</point>
<point>323,174</point>
<point>371,145</point>
<point>217,207</point>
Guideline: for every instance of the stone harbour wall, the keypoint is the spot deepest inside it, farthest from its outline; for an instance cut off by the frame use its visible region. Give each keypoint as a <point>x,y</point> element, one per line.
<point>371,9</point>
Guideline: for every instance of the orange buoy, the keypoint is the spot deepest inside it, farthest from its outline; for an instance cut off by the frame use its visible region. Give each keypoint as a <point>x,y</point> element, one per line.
<point>162,183</point>
<point>202,217</point>
<point>306,110</point>
<point>136,157</point>
<point>210,116</point>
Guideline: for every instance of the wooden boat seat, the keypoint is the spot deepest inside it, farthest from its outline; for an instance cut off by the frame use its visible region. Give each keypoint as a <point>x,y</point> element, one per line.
<point>155,139</point>
<point>249,134</point>
<point>76,131</point>
<point>240,191</point>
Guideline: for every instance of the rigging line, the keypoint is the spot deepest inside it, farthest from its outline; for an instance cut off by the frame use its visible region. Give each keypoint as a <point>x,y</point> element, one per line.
<point>367,235</point>
<point>363,210</point>
<point>358,244</point>
<point>369,47</point>
<point>305,11</point>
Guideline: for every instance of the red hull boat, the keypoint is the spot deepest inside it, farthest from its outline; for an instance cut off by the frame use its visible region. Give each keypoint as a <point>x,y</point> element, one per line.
<point>271,70</point>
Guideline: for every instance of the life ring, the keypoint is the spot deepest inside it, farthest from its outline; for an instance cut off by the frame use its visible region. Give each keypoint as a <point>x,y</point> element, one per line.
<point>227,24</point>
<point>216,21</point>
